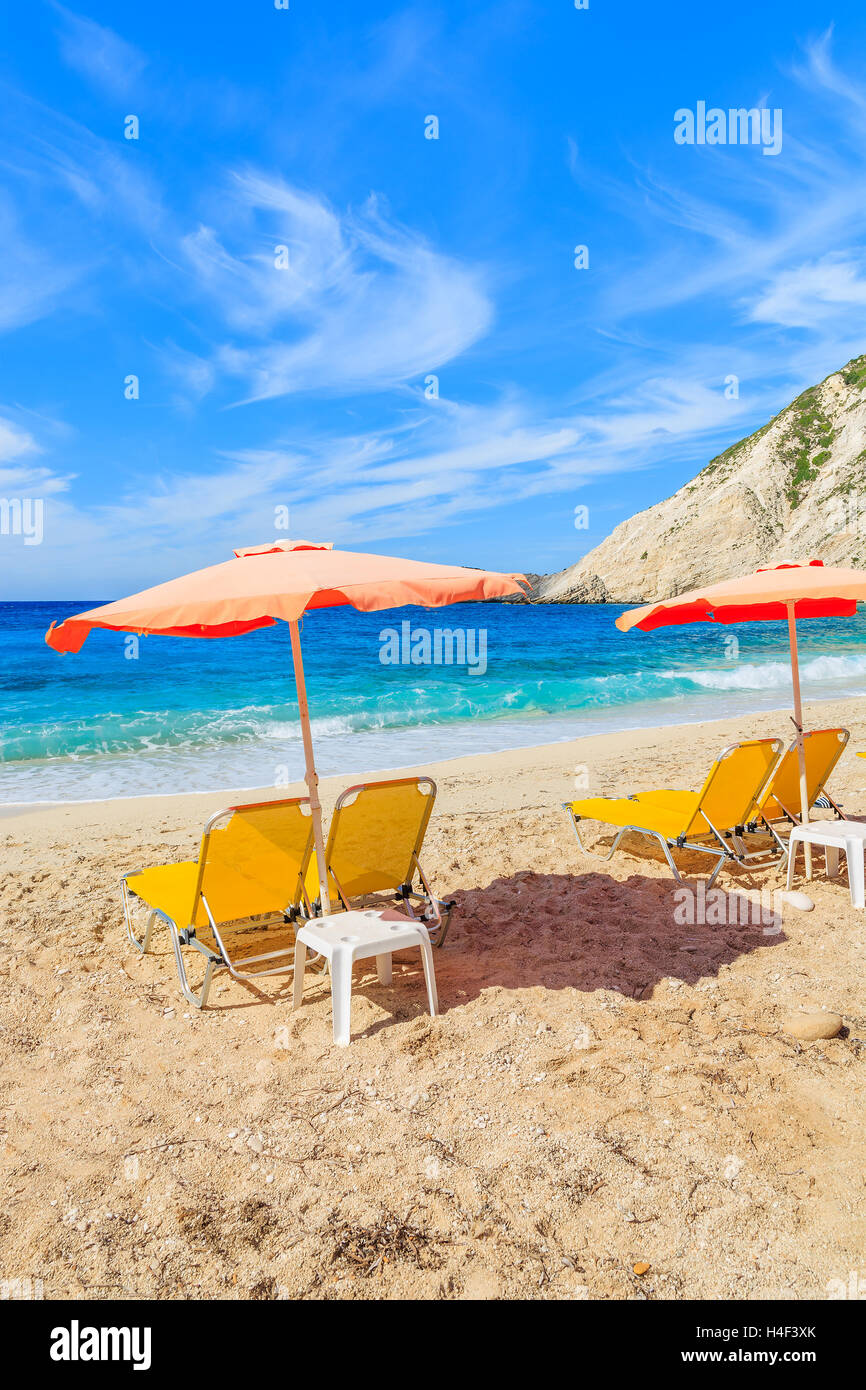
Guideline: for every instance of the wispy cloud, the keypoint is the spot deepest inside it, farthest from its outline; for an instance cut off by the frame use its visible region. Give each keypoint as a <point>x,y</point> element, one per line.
<point>98,53</point>
<point>22,473</point>
<point>70,207</point>
<point>815,294</point>
<point>32,279</point>
<point>15,443</point>
<point>351,302</point>
<point>441,466</point>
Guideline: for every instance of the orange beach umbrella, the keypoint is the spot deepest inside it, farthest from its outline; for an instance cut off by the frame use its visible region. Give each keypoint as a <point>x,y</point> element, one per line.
<point>787,592</point>
<point>265,583</point>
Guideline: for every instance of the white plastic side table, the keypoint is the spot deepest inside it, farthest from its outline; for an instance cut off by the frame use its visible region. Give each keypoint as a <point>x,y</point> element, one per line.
<point>846,835</point>
<point>346,937</point>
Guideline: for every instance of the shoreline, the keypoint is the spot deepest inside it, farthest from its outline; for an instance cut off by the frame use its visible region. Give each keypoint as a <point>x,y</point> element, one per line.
<point>557,760</point>
<point>558,683</point>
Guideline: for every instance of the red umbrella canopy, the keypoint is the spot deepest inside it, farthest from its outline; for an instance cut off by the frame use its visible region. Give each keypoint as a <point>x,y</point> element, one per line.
<point>815,589</point>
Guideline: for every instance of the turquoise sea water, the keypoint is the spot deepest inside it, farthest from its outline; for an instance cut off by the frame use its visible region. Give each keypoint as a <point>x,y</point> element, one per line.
<point>192,715</point>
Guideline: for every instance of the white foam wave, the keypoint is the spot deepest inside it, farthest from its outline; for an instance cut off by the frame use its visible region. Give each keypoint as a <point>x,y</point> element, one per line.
<point>772,675</point>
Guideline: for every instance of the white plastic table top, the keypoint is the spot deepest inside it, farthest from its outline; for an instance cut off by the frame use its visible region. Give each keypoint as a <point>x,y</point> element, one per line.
<point>836,830</point>
<point>366,932</point>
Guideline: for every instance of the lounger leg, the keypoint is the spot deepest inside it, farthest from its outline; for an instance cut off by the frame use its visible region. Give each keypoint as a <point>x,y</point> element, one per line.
<point>716,871</point>
<point>142,946</point>
<point>197,1000</point>
<point>660,841</point>
<point>445,909</point>
<point>650,834</point>
<point>383,968</point>
<point>437,925</point>
<point>669,857</point>
<point>206,983</point>
<point>430,977</point>
<point>298,982</point>
<point>720,857</point>
<point>147,932</point>
<point>591,853</point>
<point>783,848</point>
<point>341,996</point>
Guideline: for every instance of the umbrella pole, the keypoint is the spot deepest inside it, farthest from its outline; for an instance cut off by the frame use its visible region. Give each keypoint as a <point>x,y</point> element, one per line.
<point>311,777</point>
<point>798,721</point>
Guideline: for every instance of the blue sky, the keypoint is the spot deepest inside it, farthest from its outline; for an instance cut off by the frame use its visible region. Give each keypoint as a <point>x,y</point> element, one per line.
<point>304,385</point>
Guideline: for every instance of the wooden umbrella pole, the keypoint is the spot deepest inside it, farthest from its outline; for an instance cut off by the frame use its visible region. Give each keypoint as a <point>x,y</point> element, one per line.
<point>798,720</point>
<point>311,777</point>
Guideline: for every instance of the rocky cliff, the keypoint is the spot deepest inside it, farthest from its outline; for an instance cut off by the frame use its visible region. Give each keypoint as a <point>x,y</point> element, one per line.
<point>793,490</point>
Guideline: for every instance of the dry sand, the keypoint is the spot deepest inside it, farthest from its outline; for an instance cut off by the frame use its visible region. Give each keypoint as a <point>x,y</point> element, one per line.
<point>605,1088</point>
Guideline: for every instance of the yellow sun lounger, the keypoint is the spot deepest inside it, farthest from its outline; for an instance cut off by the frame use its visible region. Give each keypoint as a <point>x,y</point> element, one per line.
<point>374,841</point>
<point>252,863</point>
<point>781,798</point>
<point>711,821</point>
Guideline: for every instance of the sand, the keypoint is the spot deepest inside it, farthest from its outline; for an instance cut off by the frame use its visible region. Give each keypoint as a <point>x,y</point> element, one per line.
<point>605,1089</point>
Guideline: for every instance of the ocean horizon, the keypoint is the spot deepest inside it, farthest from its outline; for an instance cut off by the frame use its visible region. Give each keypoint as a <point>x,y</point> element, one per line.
<point>166,715</point>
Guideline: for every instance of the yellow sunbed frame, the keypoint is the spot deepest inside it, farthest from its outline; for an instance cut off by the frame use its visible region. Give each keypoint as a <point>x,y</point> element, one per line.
<point>712,821</point>
<point>780,801</point>
<point>374,842</point>
<point>253,862</point>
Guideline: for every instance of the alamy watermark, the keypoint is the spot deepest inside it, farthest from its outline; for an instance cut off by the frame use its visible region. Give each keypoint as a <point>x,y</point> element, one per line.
<point>77,1343</point>
<point>757,125</point>
<point>846,514</point>
<point>441,646</point>
<point>23,516</point>
<point>854,1287</point>
<point>23,1289</point>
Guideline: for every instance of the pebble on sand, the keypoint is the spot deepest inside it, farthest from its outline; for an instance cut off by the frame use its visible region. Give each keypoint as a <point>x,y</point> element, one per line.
<point>794,898</point>
<point>811,1027</point>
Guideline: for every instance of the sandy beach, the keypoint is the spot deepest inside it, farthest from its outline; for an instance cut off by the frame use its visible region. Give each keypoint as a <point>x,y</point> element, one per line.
<point>606,1089</point>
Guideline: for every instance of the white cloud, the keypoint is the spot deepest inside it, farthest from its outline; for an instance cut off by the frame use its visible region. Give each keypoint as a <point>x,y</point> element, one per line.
<point>20,475</point>
<point>821,75</point>
<point>32,280</point>
<point>444,463</point>
<point>100,55</point>
<point>71,205</point>
<point>15,443</point>
<point>450,462</point>
<point>362,303</point>
<point>813,294</point>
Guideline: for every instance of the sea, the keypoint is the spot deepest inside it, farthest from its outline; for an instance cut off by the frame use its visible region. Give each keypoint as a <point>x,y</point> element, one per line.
<point>166,715</point>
